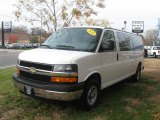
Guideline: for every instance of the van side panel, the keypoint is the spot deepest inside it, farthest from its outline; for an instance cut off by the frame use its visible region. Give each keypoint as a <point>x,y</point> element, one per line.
<point>125,54</point>
<point>110,66</point>
<point>130,54</point>
<point>138,51</point>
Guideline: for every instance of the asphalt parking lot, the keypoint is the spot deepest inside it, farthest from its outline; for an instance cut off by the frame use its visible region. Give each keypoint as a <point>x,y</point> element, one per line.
<point>8,58</point>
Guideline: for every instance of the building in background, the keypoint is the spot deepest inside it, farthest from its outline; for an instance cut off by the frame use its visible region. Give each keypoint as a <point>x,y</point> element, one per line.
<point>16,38</point>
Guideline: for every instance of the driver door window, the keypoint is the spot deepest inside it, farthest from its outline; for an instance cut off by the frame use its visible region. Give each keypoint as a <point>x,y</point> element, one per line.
<point>108,41</point>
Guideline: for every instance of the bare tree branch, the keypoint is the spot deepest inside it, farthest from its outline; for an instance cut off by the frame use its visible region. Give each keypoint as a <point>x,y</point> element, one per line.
<point>57,13</point>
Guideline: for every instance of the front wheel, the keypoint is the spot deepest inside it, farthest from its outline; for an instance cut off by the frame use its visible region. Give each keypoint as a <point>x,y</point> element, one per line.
<point>137,75</point>
<point>90,95</point>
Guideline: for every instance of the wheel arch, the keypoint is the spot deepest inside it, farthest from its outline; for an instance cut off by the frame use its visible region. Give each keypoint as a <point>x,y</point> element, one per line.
<point>93,75</point>
<point>140,64</point>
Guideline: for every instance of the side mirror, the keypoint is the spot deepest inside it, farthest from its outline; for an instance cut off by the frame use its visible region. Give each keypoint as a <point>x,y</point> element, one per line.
<point>108,45</point>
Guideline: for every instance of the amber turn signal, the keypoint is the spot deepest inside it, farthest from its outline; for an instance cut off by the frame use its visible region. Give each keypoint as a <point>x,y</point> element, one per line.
<point>18,71</point>
<point>64,79</point>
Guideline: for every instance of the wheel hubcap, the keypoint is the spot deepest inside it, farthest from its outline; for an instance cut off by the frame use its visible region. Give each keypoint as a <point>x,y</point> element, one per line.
<point>92,95</point>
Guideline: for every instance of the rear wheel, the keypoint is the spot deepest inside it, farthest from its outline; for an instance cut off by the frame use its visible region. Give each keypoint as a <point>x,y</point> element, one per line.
<point>154,55</point>
<point>91,94</point>
<point>137,75</point>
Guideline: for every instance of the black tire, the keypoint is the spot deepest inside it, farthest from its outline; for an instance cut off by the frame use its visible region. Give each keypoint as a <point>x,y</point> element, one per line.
<point>145,53</point>
<point>90,95</point>
<point>137,75</point>
<point>154,55</point>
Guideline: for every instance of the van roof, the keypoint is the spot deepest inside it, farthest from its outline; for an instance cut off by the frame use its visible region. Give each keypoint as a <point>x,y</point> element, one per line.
<point>85,27</point>
<point>99,28</point>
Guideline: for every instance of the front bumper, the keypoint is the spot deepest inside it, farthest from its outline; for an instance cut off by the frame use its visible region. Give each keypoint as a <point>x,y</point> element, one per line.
<point>64,92</point>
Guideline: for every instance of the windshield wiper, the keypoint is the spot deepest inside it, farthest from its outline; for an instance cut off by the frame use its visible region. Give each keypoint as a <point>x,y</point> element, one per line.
<point>65,47</point>
<point>47,46</point>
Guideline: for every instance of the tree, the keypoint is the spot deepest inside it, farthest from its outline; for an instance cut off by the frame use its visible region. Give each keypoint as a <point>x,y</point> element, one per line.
<point>56,13</point>
<point>20,29</point>
<point>38,31</point>
<point>41,34</point>
<point>143,39</point>
<point>151,36</point>
<point>99,22</point>
<point>34,39</point>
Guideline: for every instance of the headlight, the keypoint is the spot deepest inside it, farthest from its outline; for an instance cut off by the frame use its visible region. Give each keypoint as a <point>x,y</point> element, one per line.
<point>65,68</point>
<point>68,68</point>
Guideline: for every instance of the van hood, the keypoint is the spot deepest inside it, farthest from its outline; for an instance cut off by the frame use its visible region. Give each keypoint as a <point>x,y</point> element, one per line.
<point>52,56</point>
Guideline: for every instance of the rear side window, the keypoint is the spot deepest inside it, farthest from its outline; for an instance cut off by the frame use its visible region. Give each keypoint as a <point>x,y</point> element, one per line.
<point>137,43</point>
<point>124,41</point>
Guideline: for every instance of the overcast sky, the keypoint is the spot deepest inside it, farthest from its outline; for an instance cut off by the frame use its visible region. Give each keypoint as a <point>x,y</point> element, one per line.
<point>116,12</point>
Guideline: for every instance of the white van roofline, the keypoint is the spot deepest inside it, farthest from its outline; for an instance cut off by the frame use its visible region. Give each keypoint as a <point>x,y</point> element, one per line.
<point>100,27</point>
<point>85,27</point>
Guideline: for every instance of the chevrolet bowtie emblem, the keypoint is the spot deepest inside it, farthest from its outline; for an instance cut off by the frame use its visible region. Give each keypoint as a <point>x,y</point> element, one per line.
<point>32,70</point>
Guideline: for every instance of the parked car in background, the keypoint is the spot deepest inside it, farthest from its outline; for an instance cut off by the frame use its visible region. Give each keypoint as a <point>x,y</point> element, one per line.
<point>153,51</point>
<point>36,45</point>
<point>18,46</point>
<point>22,46</point>
<point>28,45</point>
<point>15,46</point>
<point>9,45</point>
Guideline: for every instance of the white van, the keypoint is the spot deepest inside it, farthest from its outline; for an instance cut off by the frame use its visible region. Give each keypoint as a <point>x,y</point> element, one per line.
<point>77,62</point>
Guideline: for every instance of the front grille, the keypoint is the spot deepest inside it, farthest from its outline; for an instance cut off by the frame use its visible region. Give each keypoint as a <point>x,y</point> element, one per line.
<point>36,65</point>
<point>35,77</point>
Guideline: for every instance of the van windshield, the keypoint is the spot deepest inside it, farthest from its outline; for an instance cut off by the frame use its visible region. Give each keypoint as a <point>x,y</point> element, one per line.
<point>78,39</point>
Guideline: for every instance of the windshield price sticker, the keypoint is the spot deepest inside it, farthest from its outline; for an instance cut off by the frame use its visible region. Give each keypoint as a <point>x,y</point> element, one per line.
<point>91,32</point>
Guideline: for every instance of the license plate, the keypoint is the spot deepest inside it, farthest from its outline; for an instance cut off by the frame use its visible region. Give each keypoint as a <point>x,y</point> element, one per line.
<point>28,90</point>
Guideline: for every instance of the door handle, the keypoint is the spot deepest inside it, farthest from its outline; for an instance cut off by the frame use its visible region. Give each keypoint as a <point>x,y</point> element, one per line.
<point>117,56</point>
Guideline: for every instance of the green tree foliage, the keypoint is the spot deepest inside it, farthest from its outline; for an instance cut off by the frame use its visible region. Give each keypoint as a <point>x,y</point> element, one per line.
<point>34,39</point>
<point>56,13</point>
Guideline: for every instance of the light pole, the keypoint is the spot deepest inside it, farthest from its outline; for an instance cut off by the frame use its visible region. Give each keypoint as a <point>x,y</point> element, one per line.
<point>3,46</point>
<point>41,31</point>
<point>32,36</point>
<point>125,23</point>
